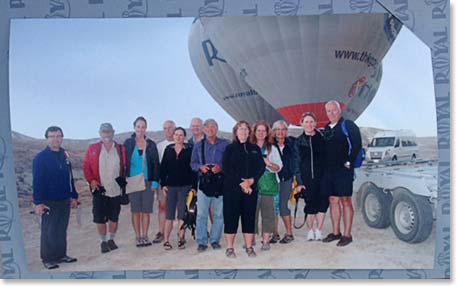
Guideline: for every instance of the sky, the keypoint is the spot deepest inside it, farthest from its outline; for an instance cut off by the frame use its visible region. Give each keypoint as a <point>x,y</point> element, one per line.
<point>78,73</point>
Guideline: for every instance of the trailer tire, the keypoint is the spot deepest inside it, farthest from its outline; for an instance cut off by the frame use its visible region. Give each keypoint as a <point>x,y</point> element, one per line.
<point>376,207</point>
<point>411,217</point>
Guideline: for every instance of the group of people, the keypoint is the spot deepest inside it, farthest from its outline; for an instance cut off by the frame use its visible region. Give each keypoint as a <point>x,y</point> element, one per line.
<point>249,180</point>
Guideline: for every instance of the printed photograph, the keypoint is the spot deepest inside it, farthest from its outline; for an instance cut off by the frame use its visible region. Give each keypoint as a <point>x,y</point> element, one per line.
<point>269,142</point>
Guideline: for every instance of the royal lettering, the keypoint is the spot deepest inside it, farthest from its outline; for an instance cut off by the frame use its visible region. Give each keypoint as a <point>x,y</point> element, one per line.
<point>251,11</point>
<point>210,52</point>
<point>15,4</point>
<point>176,14</point>
<point>56,6</point>
<point>326,7</point>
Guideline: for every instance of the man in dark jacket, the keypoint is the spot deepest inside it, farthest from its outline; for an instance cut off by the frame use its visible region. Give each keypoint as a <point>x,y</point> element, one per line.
<point>341,153</point>
<point>53,194</point>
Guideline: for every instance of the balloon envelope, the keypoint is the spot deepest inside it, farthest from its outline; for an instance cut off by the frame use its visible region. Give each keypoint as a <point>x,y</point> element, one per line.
<point>225,85</point>
<point>298,63</point>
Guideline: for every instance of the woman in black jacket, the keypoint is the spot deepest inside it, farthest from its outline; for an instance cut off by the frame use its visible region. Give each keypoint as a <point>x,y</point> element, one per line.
<point>242,166</point>
<point>308,168</point>
<point>177,179</point>
<point>142,158</point>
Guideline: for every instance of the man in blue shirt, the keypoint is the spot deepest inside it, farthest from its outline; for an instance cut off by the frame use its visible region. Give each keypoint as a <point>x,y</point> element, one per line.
<point>213,148</point>
<point>53,194</point>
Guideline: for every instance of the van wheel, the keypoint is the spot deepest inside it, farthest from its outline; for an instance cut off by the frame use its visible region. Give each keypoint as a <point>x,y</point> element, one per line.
<point>394,158</point>
<point>411,217</point>
<point>376,207</point>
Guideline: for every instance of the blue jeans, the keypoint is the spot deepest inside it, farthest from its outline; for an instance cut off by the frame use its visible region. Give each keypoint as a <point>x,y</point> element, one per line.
<point>203,206</point>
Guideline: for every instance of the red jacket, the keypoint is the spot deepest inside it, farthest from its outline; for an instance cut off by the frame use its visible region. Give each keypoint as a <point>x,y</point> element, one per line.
<point>91,162</point>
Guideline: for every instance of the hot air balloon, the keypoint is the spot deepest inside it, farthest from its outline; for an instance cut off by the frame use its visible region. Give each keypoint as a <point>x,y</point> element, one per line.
<point>225,85</point>
<point>298,63</point>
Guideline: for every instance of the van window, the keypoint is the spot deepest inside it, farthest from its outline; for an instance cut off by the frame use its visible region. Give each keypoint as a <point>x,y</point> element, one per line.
<point>397,143</point>
<point>382,142</point>
<point>404,143</point>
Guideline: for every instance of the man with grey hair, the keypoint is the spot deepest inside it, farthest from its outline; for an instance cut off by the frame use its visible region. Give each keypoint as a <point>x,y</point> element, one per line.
<point>169,127</point>
<point>342,145</point>
<point>207,161</point>
<point>196,127</point>
<point>103,164</point>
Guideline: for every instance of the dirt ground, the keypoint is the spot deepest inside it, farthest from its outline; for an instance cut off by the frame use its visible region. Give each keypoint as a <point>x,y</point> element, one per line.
<point>371,249</point>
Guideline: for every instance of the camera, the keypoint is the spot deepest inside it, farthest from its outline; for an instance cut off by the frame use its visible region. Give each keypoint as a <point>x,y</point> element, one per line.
<point>302,194</point>
<point>99,192</point>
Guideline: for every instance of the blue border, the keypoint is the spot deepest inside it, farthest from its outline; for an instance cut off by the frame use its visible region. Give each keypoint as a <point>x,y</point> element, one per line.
<point>428,19</point>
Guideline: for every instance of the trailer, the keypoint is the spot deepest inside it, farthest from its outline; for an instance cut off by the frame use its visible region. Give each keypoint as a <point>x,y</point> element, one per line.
<point>400,194</point>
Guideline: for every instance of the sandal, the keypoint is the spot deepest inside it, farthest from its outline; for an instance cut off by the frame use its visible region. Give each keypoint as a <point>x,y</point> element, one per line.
<point>287,238</point>
<point>167,245</point>
<point>230,253</point>
<point>182,244</point>
<point>250,251</point>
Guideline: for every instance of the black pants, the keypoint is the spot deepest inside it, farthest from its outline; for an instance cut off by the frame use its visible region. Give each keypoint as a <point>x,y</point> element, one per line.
<point>54,230</point>
<point>237,204</point>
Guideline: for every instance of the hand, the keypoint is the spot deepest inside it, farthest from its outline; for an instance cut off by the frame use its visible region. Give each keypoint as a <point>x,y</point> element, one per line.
<point>194,191</point>
<point>300,188</point>
<point>216,169</point>
<point>74,203</point>
<point>204,169</point>
<point>267,162</point>
<point>347,165</point>
<point>39,209</point>
<point>246,183</point>
<point>248,191</point>
<point>164,191</point>
<point>153,189</point>
<point>94,186</point>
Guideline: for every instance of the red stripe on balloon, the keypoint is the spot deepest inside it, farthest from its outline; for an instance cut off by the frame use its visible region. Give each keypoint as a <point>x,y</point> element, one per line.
<point>293,113</point>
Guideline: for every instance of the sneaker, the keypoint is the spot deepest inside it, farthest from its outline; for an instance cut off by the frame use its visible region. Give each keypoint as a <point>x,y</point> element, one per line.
<point>250,251</point>
<point>230,253</point>
<point>275,238</point>
<point>288,238</point>
<point>331,237</point>
<point>67,259</point>
<point>202,248</point>
<point>104,247</point>
<point>345,240</point>
<point>265,246</point>
<point>159,238</point>
<point>317,234</point>
<point>310,236</point>
<point>215,245</point>
<point>146,241</point>
<point>139,242</point>
<point>50,265</point>
<point>112,245</point>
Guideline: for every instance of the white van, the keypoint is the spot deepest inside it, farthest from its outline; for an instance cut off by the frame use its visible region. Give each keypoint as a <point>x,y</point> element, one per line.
<point>392,146</point>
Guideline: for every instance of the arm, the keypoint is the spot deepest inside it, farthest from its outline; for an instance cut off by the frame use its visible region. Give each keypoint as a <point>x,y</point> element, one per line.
<point>88,172</point>
<point>227,169</point>
<point>296,163</point>
<point>195,158</point>
<point>258,165</point>
<point>275,161</point>
<point>356,140</point>
<point>155,165</point>
<point>164,169</point>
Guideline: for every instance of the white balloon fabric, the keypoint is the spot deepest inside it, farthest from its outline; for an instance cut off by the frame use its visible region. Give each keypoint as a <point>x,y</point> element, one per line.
<point>298,63</point>
<point>226,86</point>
